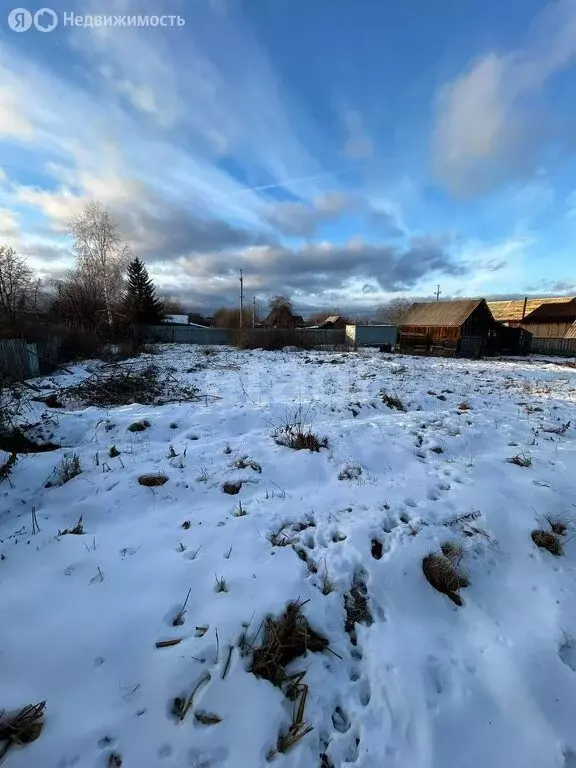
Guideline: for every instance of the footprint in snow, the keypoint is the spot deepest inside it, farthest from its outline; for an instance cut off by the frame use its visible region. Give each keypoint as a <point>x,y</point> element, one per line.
<point>340,720</point>
<point>364,692</point>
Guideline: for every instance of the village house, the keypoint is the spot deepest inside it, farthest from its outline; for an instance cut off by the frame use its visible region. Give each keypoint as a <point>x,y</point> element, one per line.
<point>464,327</point>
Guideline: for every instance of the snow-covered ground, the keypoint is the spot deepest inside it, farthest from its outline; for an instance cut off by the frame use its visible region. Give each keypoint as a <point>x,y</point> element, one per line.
<point>427,684</point>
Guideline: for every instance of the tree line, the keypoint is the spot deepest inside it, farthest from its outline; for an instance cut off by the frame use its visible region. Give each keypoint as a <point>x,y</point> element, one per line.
<point>109,289</point>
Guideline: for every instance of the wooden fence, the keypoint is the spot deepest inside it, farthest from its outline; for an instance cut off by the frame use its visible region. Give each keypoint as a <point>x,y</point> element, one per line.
<point>545,346</point>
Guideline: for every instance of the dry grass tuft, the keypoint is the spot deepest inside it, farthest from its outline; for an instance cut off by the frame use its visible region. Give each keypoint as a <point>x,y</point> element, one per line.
<point>69,468</point>
<point>464,406</point>
<point>392,401</point>
<point>558,525</point>
<point>232,488</point>
<point>139,426</point>
<point>280,538</point>
<point>521,460</point>
<point>350,472</point>
<point>152,481</point>
<point>245,462</point>
<point>113,452</point>
<point>285,638</point>
<point>77,530</point>
<point>22,727</point>
<point>549,541</point>
<point>300,439</point>
<point>442,574</point>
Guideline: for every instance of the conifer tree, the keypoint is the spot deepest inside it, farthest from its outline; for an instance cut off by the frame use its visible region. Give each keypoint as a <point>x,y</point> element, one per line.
<point>141,305</point>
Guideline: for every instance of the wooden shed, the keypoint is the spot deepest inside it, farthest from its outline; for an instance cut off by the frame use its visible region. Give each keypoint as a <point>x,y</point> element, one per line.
<point>551,321</point>
<point>464,327</point>
<point>514,311</point>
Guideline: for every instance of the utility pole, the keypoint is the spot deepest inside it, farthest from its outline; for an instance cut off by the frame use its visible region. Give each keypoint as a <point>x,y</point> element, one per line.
<point>437,294</point>
<point>253,312</point>
<point>241,301</point>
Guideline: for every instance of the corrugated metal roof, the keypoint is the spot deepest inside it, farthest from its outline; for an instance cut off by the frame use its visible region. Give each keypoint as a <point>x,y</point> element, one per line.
<point>510,311</point>
<point>444,313</point>
<point>549,313</point>
<point>571,332</point>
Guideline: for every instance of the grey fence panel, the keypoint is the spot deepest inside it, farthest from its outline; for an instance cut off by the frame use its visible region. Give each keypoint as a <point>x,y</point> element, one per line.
<point>545,346</point>
<point>15,358</point>
<point>186,334</point>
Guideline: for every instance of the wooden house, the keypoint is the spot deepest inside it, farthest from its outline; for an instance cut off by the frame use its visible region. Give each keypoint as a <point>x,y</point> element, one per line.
<point>282,317</point>
<point>464,327</point>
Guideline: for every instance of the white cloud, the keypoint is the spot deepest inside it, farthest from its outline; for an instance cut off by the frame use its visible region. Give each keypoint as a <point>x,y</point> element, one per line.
<point>486,130</point>
<point>9,225</point>
<point>13,121</point>
<point>358,144</point>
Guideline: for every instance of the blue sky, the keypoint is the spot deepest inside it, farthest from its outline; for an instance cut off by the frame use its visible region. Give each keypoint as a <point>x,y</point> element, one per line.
<point>343,152</point>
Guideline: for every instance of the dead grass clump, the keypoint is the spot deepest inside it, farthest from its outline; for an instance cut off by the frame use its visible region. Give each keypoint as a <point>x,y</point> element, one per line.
<point>22,727</point>
<point>356,607</point>
<point>454,551</point>
<point>521,460</point>
<point>350,472</point>
<point>152,481</point>
<point>285,638</point>
<point>549,541</point>
<point>280,538</point>
<point>232,488</point>
<point>77,530</point>
<point>300,439</point>
<point>113,452</point>
<point>245,462</point>
<point>139,426</point>
<point>392,401</point>
<point>557,525</point>
<point>444,575</point>
<point>464,406</point>
<point>69,468</point>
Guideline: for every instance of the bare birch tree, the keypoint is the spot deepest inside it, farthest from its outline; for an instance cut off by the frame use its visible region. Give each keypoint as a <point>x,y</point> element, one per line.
<point>102,255</point>
<point>17,286</point>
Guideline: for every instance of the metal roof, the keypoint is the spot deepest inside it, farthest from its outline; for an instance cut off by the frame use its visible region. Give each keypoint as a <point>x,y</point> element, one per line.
<point>443,313</point>
<point>511,310</point>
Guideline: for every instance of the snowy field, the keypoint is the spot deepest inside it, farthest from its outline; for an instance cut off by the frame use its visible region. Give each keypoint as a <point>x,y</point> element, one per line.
<point>409,678</point>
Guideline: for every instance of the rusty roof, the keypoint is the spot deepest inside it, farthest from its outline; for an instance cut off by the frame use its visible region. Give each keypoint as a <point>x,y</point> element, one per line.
<point>443,313</point>
<point>511,310</point>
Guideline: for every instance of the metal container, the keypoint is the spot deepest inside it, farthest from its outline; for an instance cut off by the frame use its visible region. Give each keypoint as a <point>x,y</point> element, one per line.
<point>371,335</point>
